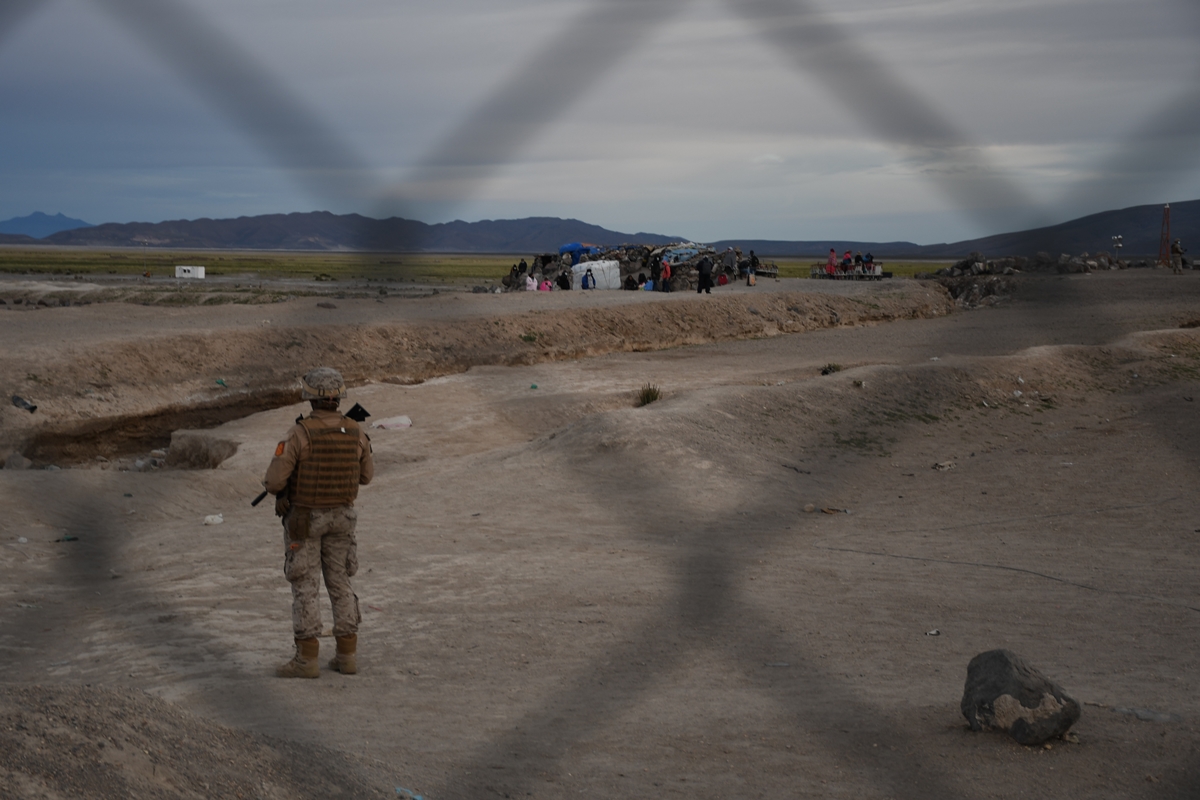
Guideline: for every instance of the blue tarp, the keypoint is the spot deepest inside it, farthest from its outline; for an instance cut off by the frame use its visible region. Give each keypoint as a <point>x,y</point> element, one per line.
<point>577,249</point>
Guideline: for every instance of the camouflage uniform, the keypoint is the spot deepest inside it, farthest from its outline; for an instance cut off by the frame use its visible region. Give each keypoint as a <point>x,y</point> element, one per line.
<point>326,545</point>
<point>1177,257</point>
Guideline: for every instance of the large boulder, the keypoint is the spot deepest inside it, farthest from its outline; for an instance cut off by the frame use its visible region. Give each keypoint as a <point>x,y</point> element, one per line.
<point>17,461</point>
<point>198,450</point>
<point>1003,691</point>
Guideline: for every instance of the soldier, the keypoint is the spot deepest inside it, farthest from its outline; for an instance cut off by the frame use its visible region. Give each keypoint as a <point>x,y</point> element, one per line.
<point>1177,252</point>
<point>315,476</point>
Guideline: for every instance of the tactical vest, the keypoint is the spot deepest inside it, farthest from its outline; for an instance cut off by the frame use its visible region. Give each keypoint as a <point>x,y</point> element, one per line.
<point>329,476</point>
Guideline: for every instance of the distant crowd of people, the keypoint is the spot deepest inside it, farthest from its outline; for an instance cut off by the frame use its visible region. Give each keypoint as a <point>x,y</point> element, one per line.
<point>662,274</point>
<point>849,263</point>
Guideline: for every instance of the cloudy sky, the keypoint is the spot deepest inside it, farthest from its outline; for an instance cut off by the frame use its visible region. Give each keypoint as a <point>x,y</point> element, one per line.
<point>932,120</point>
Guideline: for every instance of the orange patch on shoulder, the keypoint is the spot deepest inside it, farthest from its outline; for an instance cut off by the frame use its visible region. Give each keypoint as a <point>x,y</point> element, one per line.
<point>279,450</point>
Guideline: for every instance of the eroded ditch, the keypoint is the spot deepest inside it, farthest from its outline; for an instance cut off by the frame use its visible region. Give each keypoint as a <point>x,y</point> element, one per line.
<point>139,434</point>
<point>67,434</point>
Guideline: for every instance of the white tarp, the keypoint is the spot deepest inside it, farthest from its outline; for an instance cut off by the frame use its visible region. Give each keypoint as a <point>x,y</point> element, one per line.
<point>607,273</point>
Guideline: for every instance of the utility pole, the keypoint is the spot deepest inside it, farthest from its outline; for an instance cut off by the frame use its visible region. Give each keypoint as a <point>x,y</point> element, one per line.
<point>1164,241</point>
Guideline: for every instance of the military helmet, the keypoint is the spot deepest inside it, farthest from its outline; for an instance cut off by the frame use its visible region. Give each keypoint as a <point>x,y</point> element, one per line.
<point>322,383</point>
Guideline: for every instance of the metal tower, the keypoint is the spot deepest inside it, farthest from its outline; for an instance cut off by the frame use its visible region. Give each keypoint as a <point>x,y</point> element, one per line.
<point>1164,241</point>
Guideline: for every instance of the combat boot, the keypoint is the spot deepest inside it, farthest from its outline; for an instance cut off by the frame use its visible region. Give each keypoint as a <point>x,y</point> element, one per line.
<point>304,664</point>
<point>344,662</point>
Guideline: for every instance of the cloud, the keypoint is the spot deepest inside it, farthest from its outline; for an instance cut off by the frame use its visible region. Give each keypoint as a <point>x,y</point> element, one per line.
<point>1047,91</point>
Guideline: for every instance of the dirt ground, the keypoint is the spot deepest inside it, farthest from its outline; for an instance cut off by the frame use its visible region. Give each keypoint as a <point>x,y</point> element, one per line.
<point>106,372</point>
<point>565,595</point>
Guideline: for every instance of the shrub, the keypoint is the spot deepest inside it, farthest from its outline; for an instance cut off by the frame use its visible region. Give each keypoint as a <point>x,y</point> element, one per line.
<point>648,394</point>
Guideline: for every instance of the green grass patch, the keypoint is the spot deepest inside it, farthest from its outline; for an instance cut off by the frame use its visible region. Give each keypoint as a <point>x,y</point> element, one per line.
<point>451,268</point>
<point>316,266</point>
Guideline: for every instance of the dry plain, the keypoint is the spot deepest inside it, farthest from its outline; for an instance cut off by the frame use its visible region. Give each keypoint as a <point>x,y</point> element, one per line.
<point>565,595</point>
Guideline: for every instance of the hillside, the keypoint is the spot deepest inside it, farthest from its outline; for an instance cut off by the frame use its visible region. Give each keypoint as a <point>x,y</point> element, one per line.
<point>38,225</point>
<point>321,230</point>
<point>18,238</point>
<point>819,248</point>
<point>1140,226</point>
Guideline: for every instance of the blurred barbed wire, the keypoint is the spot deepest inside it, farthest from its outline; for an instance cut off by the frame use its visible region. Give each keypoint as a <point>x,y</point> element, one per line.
<point>544,87</point>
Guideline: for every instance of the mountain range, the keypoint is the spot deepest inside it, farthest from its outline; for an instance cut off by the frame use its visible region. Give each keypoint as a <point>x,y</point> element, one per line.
<point>320,230</point>
<point>38,225</point>
<point>1140,227</point>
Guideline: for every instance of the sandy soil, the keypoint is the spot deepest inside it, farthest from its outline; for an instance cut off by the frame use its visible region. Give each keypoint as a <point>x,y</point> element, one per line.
<point>147,370</point>
<point>565,595</point>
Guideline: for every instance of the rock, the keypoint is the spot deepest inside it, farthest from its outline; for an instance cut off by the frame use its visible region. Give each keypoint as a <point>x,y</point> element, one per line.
<point>17,461</point>
<point>1005,692</point>
<point>22,403</point>
<point>199,449</point>
<point>158,453</point>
